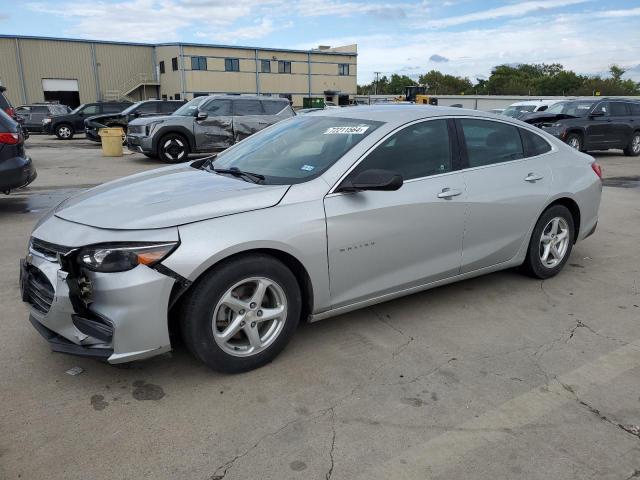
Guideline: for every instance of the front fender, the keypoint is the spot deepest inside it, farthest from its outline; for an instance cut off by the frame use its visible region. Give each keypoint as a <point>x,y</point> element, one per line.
<point>165,129</point>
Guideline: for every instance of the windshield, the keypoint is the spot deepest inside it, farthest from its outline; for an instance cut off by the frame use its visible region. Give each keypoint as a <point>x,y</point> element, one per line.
<point>77,109</point>
<point>190,108</point>
<point>515,110</point>
<point>576,109</point>
<point>296,150</point>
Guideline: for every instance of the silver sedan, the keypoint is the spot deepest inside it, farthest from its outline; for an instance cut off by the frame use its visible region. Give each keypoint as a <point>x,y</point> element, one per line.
<point>313,217</point>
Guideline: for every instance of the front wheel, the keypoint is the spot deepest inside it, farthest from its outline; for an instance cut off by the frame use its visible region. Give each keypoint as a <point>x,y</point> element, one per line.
<point>173,148</point>
<point>551,243</point>
<point>242,313</point>
<point>64,132</point>
<point>633,149</point>
<point>574,140</point>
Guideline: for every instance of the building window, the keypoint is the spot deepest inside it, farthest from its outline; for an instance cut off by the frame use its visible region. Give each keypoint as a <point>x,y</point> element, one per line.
<point>198,63</point>
<point>164,96</point>
<point>231,65</point>
<point>162,67</point>
<point>174,63</point>
<point>343,69</point>
<point>265,66</point>
<point>284,67</point>
<point>177,96</point>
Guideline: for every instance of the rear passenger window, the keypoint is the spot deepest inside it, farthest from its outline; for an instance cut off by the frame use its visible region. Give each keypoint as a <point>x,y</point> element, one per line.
<point>533,144</point>
<point>490,142</point>
<point>247,107</point>
<point>151,107</point>
<point>635,108</point>
<point>107,108</point>
<point>416,151</point>
<point>618,109</point>
<point>169,107</point>
<point>273,108</point>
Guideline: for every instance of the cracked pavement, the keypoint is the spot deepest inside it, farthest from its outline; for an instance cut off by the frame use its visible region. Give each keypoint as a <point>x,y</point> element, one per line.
<point>497,377</point>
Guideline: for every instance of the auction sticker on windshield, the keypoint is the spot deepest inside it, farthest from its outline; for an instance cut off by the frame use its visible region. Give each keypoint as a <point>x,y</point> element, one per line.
<point>346,130</point>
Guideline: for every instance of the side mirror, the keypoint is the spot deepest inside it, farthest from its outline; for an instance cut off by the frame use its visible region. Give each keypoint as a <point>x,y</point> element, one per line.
<point>373,179</point>
<point>597,114</point>
<point>201,116</point>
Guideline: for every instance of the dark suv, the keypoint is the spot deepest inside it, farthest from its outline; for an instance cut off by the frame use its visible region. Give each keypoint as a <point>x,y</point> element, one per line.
<point>16,168</point>
<point>588,124</point>
<point>146,108</point>
<point>33,115</point>
<point>65,126</point>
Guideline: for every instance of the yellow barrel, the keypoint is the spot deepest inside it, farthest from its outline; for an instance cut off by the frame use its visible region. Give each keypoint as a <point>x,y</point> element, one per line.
<point>111,141</point>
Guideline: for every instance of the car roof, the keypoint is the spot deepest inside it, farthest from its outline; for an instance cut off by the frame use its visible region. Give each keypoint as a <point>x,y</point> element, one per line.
<point>401,114</point>
<point>248,97</point>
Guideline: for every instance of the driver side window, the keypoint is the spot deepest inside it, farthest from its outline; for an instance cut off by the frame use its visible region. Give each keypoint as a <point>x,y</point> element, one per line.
<point>419,150</point>
<point>218,108</point>
<point>602,107</point>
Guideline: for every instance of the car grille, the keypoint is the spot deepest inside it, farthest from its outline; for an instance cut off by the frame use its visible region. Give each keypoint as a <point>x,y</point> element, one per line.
<point>47,250</point>
<point>39,291</point>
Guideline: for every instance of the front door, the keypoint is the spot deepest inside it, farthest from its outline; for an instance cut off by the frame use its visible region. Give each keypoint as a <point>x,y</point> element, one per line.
<point>383,242</point>
<point>600,129</point>
<point>506,191</point>
<point>216,131</point>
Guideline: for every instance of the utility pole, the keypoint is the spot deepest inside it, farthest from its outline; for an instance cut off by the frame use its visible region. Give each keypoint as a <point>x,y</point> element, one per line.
<point>376,90</point>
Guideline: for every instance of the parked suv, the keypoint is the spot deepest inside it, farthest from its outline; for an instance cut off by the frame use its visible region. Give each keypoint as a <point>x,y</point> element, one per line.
<point>16,168</point>
<point>205,124</point>
<point>66,126</point>
<point>590,124</point>
<point>146,108</point>
<point>33,115</point>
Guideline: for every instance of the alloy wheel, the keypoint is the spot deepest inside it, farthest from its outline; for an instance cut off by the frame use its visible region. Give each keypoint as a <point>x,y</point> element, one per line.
<point>64,132</point>
<point>249,317</point>
<point>174,149</point>
<point>574,142</point>
<point>554,242</point>
<point>635,144</point>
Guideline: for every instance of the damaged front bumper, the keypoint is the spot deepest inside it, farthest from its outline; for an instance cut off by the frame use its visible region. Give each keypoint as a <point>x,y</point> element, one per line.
<point>117,317</point>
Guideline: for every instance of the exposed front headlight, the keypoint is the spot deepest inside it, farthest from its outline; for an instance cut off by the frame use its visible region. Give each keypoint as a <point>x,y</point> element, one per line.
<point>46,120</point>
<point>119,257</point>
<point>557,125</point>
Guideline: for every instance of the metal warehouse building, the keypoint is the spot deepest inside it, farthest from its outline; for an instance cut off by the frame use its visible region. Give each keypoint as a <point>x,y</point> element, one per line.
<point>37,69</point>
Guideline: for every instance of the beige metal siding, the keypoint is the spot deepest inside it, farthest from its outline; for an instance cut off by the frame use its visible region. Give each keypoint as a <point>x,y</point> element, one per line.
<point>120,65</point>
<point>170,81</point>
<point>9,76</point>
<point>57,59</point>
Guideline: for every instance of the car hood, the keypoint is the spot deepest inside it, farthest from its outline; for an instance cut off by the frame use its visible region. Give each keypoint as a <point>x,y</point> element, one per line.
<point>545,117</point>
<point>167,197</point>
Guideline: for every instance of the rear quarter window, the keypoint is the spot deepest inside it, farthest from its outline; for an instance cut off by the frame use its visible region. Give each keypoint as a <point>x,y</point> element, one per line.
<point>489,142</point>
<point>533,144</point>
<point>273,108</point>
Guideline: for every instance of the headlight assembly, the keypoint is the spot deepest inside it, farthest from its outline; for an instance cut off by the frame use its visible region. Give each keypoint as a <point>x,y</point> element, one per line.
<point>120,257</point>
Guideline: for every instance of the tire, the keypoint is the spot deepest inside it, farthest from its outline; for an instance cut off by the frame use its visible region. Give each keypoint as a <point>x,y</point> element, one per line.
<point>633,149</point>
<point>536,263</point>
<point>173,148</point>
<point>206,302</point>
<point>64,131</point>
<point>149,155</point>
<point>574,140</point>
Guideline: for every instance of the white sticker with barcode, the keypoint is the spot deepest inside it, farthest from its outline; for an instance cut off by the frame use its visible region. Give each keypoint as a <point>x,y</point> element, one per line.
<point>347,130</point>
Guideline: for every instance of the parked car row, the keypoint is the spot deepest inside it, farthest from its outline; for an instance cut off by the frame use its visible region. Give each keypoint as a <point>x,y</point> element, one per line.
<point>67,125</point>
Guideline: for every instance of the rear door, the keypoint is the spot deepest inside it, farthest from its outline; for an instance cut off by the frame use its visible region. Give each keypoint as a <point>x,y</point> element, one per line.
<point>382,242</point>
<point>506,189</point>
<point>621,123</point>
<point>38,113</point>
<point>248,117</point>
<point>216,131</point>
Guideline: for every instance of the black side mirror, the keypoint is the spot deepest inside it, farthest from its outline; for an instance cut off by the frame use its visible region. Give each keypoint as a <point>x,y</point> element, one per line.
<point>373,179</point>
<point>201,116</point>
<point>597,114</point>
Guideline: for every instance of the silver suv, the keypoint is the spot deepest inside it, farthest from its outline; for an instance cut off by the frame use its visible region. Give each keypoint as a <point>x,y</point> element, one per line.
<point>205,124</point>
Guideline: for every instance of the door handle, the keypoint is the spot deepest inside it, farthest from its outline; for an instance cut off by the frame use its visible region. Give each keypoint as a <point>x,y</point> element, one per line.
<point>532,177</point>
<point>448,193</point>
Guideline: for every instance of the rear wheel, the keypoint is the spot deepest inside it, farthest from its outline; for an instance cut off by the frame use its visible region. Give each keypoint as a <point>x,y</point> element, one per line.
<point>551,243</point>
<point>574,140</point>
<point>64,132</point>
<point>173,148</point>
<point>633,149</point>
<point>242,313</point>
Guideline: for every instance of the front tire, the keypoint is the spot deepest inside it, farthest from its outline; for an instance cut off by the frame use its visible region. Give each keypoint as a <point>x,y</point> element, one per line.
<point>551,243</point>
<point>633,149</point>
<point>242,313</point>
<point>64,132</point>
<point>574,140</point>
<point>173,148</point>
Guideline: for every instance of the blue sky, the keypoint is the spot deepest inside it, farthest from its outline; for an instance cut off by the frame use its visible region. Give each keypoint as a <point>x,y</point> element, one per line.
<point>462,37</point>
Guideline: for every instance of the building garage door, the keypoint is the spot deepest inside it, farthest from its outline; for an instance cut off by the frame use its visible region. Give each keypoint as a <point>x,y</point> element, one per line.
<point>61,90</point>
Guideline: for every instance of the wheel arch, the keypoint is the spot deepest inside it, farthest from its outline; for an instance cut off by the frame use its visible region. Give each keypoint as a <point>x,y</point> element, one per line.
<point>177,129</point>
<point>573,208</point>
<point>292,262</point>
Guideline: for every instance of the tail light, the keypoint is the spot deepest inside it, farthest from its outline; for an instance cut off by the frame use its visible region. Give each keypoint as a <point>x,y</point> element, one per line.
<point>10,111</point>
<point>10,138</point>
<point>595,166</point>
